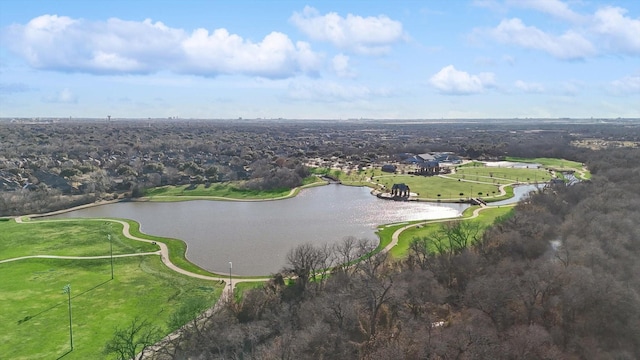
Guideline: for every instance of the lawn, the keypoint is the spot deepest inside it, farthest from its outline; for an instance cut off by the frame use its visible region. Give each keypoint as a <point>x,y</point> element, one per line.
<point>33,309</point>
<point>64,237</point>
<point>428,187</point>
<point>448,187</point>
<point>552,163</point>
<point>242,287</point>
<point>499,175</point>
<point>222,190</point>
<point>486,218</point>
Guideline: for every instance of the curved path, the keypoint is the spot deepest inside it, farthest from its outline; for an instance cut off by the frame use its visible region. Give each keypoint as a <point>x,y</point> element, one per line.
<point>396,234</point>
<point>163,252</point>
<point>77,257</point>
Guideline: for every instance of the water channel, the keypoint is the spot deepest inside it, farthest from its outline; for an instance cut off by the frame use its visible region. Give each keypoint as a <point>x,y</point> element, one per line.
<point>256,236</point>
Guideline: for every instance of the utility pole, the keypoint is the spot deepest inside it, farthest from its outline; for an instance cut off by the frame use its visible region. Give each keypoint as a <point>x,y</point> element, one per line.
<point>67,290</point>
<point>111,249</point>
<point>230,284</point>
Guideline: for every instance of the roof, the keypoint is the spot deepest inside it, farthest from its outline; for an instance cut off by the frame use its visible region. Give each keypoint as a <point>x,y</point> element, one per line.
<point>426,157</point>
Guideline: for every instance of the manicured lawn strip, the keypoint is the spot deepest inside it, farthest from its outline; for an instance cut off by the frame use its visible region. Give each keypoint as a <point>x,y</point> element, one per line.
<point>402,249</point>
<point>557,164</point>
<point>549,162</point>
<point>222,190</point>
<point>508,195</point>
<point>486,217</point>
<point>66,237</point>
<point>33,309</point>
<point>177,248</point>
<point>385,233</point>
<point>177,251</point>
<point>429,187</point>
<point>502,175</point>
<point>312,181</point>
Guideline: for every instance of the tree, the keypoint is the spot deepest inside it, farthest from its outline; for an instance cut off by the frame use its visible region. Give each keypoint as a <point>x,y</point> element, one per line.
<point>374,282</point>
<point>305,262</point>
<point>133,340</point>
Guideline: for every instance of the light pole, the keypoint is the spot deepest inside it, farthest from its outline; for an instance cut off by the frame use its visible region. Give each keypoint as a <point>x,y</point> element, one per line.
<point>67,290</point>
<point>230,285</point>
<point>111,249</point>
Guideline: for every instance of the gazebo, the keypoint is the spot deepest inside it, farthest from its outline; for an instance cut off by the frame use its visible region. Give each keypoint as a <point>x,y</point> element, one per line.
<point>400,190</point>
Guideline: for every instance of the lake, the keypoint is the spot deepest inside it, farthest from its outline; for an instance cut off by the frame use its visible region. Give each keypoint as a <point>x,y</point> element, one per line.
<point>256,235</point>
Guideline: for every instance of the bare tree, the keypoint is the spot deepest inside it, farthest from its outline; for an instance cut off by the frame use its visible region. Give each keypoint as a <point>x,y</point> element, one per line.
<point>132,341</point>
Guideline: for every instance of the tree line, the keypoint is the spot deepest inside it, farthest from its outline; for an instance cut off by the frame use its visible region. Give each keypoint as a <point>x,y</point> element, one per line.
<point>52,166</point>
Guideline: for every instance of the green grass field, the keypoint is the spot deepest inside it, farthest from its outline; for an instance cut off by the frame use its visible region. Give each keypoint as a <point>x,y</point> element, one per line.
<point>70,238</point>
<point>33,309</point>
<point>498,175</point>
<point>225,190</point>
<point>221,191</point>
<point>449,189</point>
<point>553,163</point>
<point>470,180</point>
<point>486,218</point>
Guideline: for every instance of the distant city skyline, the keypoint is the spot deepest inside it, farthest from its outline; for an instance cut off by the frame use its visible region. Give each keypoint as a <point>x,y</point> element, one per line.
<point>320,59</point>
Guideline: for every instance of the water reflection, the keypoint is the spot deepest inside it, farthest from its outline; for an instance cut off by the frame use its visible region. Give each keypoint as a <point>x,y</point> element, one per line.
<point>256,236</point>
<point>519,192</point>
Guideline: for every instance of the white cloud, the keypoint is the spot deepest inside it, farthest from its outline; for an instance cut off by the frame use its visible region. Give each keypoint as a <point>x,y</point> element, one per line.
<point>341,66</point>
<point>220,52</point>
<point>451,81</point>
<point>119,47</point>
<point>618,32</point>
<point>570,45</point>
<point>606,31</point>
<point>370,35</point>
<point>626,86</point>
<point>529,87</point>
<point>65,96</point>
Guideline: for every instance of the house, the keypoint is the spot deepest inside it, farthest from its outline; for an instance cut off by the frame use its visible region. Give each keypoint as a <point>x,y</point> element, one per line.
<point>389,168</point>
<point>430,167</point>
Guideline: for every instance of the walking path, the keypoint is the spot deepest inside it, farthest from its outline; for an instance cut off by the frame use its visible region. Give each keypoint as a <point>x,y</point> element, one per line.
<point>163,252</point>
<point>396,234</point>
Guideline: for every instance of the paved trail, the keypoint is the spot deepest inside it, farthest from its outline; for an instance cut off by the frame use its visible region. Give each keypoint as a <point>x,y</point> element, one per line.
<point>163,252</point>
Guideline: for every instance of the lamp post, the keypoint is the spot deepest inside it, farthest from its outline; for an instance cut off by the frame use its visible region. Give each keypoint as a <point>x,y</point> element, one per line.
<point>230,285</point>
<point>67,290</point>
<point>111,250</point>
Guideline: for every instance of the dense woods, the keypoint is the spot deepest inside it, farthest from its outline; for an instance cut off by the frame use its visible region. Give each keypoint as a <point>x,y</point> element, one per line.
<point>557,279</point>
<point>51,165</point>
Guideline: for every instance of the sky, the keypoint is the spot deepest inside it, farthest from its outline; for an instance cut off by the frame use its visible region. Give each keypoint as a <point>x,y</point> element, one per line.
<point>320,59</point>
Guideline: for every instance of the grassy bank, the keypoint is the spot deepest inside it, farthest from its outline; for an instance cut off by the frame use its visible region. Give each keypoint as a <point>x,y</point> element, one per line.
<point>222,191</point>
<point>66,237</point>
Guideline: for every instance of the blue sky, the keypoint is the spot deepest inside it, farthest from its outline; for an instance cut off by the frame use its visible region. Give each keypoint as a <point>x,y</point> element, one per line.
<point>320,59</point>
